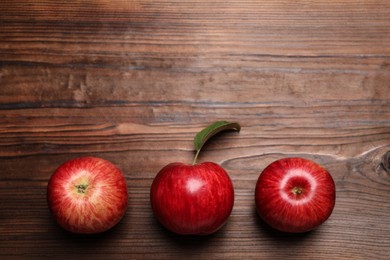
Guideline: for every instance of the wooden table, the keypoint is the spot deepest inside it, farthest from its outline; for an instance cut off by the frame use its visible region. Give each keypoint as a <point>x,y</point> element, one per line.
<point>134,81</point>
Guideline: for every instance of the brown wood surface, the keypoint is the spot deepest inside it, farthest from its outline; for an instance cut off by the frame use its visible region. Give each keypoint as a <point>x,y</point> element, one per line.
<point>133,81</point>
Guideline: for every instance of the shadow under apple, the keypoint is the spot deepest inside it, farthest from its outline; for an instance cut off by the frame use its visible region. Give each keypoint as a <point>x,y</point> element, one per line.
<point>190,243</point>
<point>279,236</point>
<point>73,244</point>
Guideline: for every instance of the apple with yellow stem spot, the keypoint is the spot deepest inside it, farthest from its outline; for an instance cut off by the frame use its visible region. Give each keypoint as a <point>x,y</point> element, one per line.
<point>87,195</point>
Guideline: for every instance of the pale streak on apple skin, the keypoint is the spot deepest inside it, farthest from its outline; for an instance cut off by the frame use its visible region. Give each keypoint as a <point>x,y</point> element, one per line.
<point>297,173</point>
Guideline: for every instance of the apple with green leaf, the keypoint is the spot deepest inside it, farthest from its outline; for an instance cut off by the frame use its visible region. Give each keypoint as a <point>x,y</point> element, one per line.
<point>194,199</point>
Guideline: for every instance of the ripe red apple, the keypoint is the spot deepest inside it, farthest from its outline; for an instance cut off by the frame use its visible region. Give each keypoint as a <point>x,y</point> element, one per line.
<point>295,195</point>
<point>87,195</point>
<point>194,199</point>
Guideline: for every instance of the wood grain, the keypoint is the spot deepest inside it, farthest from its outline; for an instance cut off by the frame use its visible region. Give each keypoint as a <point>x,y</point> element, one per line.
<point>133,81</point>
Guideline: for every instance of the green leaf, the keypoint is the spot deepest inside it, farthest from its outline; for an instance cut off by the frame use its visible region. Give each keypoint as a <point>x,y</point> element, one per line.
<point>211,130</point>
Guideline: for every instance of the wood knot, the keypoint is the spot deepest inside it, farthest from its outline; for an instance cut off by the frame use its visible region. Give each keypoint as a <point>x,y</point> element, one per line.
<point>386,162</point>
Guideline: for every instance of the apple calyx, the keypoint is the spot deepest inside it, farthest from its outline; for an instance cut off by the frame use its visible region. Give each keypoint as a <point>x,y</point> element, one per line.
<point>203,136</point>
<point>81,188</point>
<point>297,191</point>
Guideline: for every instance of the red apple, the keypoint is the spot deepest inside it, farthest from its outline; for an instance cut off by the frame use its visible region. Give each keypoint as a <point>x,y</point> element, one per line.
<point>87,195</point>
<point>192,199</point>
<point>295,195</point>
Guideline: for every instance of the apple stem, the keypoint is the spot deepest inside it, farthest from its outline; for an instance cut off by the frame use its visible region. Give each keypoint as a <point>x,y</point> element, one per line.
<point>196,157</point>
